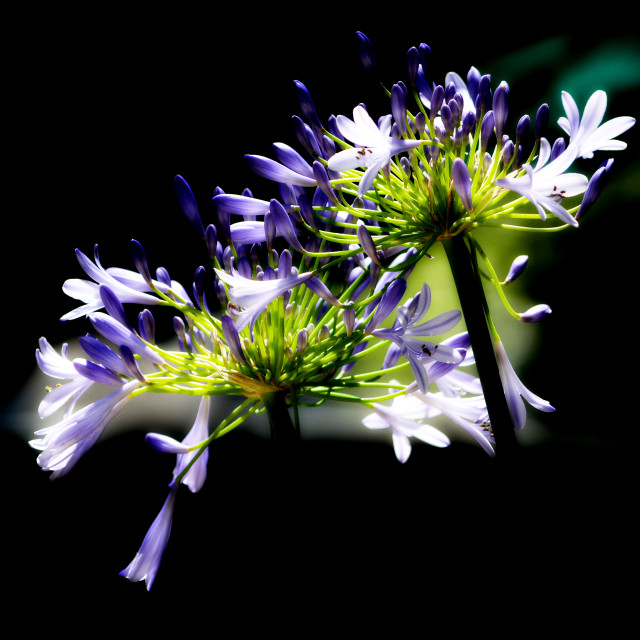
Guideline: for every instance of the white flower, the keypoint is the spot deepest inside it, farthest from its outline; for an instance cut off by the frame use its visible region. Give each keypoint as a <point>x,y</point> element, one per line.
<point>547,185</point>
<point>253,296</point>
<point>374,146</point>
<point>402,418</point>
<point>588,135</point>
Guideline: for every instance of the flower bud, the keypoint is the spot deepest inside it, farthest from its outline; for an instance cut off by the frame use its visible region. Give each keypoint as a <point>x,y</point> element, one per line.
<point>536,313</point>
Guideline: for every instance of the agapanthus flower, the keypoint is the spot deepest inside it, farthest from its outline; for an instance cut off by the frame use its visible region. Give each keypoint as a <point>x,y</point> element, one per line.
<point>587,135</point>
<point>64,443</point>
<point>374,146</point>
<point>403,419</point>
<point>515,390</point>
<point>146,562</point>
<point>411,336</point>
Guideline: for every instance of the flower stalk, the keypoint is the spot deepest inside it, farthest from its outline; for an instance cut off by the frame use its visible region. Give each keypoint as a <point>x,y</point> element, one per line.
<point>464,267</point>
<point>283,429</point>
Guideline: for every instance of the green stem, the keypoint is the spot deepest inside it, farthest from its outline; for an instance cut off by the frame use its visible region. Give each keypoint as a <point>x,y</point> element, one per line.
<point>283,430</point>
<point>474,308</point>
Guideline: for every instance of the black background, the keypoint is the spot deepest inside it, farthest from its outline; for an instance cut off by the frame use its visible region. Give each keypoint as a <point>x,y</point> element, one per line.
<point>106,107</point>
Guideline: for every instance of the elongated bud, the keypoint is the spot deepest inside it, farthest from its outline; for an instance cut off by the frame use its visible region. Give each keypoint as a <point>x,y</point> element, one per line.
<point>112,305</point>
<point>302,340</point>
<point>542,118</point>
<point>146,326</point>
<point>140,260</point>
<point>388,302</point>
<point>413,61</point>
<point>399,107</point>
<point>211,238</point>
<point>501,108</point>
<point>349,319</point>
<point>486,129</point>
<point>536,313</point>
<point>320,174</point>
<point>462,182</point>
<point>365,50</point>
<point>437,100</point>
<point>594,189</point>
<point>367,244</point>
<point>188,204</point>
<point>165,444</point>
<point>517,267</point>
<point>284,225</point>
<point>306,104</point>
<point>232,338</point>
<point>131,364</point>
<point>322,291</point>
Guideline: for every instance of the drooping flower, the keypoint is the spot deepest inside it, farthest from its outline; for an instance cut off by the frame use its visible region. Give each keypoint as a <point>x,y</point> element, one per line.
<point>515,391</point>
<point>402,418</point>
<point>374,146</point>
<point>58,365</point>
<point>587,134</point>
<point>146,562</point>
<point>64,443</point>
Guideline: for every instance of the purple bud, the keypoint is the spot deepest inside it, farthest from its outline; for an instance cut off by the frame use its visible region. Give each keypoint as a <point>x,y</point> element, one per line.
<point>269,230</point>
<point>232,338</point>
<point>473,83</point>
<point>454,106</point>
<point>187,203</point>
<point>302,340</point>
<point>413,61</point>
<point>198,285</point>
<point>462,182</point>
<point>306,212</point>
<point>349,319</point>
<point>130,363</point>
<point>365,50</point>
<point>517,267</point>
<point>389,301</point>
<point>447,118</point>
<point>536,313</point>
<point>305,137</point>
<point>486,129</point>
<point>557,148</point>
<point>284,225</point>
<point>96,372</point>
<point>507,153</point>
<point>437,100</point>
<point>285,264</point>
<point>146,326</point>
<point>292,159</point>
<point>594,189</point>
<point>522,128</point>
<point>542,118</point>
<point>306,104</point>
<point>322,291</point>
<point>399,108</point>
<point>321,177</point>
<point>483,101</point>
<point>468,123</point>
<point>140,260</point>
<point>112,305</point>
<point>501,107</point>
<point>367,244</point>
<point>211,238</point>
<point>101,353</point>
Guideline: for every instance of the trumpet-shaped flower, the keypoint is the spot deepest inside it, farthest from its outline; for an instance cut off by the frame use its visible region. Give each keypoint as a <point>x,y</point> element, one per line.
<point>587,134</point>
<point>127,285</point>
<point>64,443</point>
<point>146,562</point>
<point>58,365</point>
<point>548,184</point>
<point>374,146</point>
<point>402,418</point>
<point>515,391</point>
<point>253,296</point>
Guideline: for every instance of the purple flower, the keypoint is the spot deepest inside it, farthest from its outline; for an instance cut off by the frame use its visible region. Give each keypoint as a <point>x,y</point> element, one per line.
<point>64,443</point>
<point>128,286</point>
<point>146,562</point>
<point>410,336</point>
<point>516,391</point>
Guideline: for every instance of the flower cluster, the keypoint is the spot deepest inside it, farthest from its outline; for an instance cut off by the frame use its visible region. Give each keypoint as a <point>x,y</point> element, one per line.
<point>305,291</point>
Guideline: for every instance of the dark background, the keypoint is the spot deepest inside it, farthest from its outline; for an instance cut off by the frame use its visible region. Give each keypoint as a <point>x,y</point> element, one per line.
<point>105,107</point>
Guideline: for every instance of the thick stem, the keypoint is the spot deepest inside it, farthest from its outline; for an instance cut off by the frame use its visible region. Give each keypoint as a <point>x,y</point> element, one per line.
<point>283,429</point>
<point>474,306</point>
